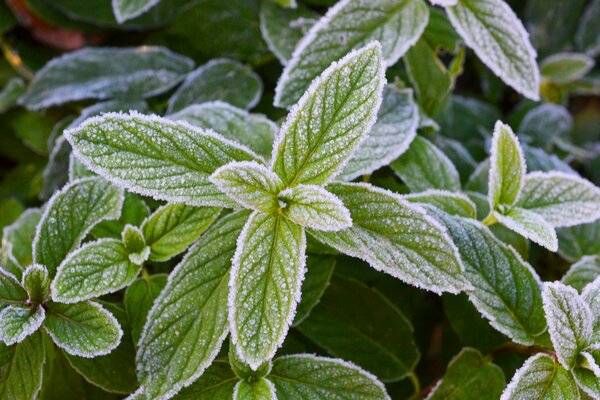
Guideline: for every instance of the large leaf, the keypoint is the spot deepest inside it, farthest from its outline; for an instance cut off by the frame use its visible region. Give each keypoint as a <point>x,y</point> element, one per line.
<point>268,269</point>
<point>138,300</point>
<point>582,272</point>
<point>20,235</point>
<point>104,73</point>
<point>396,237</point>
<point>189,318</point>
<point>22,367</point>
<point>507,167</point>
<point>19,322</point>
<point>499,39</point>
<point>69,216</point>
<point>530,225</point>
<point>128,9</point>
<point>156,157</point>
<point>350,24</point>
<point>334,115</point>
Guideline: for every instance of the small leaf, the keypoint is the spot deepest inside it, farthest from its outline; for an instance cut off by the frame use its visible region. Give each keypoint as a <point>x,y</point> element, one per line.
<point>21,233</point>
<point>268,269</point>
<point>319,270</point>
<point>335,114</point>
<point>250,184</point>
<point>156,157</point>
<point>313,377</point>
<point>499,39</point>
<point>451,202</point>
<point>262,389</point>
<point>583,272</point>
<point>566,67</point>
<point>37,283</point>
<point>19,322</point>
<point>562,199</point>
<point>314,207</point>
<point>82,329</point>
<point>104,73</point>
<point>22,368</point>
<point>128,9</point>
<point>243,370</point>
<point>135,245</point>
<point>530,225</point>
<point>216,383</point>
<point>11,291</point>
<point>138,300</point>
<point>591,296</point>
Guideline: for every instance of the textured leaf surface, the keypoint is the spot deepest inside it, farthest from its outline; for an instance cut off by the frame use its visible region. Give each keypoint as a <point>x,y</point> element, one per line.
<point>531,226</point>
<point>318,273</point>
<point>216,383</point>
<point>156,157</point>
<point>591,297</point>
<point>128,9</point>
<point>261,389</point>
<point>11,291</point>
<point>452,203</point>
<point>582,272</point>
<point>588,382</point>
<point>20,235</point>
<point>268,269</point>
<point>507,167</point>
<point>566,67</point>
<point>396,24</point>
<point>37,283</point>
<point>578,241</point>
<point>138,300</point>
<point>545,123</point>
<point>22,366</point>
<point>19,322</point>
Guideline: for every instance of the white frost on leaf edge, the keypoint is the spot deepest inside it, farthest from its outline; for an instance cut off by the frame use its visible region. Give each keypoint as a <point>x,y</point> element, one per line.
<point>593,366</point>
<point>583,57</point>
<point>443,3</point>
<point>442,193</point>
<point>39,314</point>
<point>122,18</point>
<point>509,391</point>
<point>270,385</point>
<point>514,226</point>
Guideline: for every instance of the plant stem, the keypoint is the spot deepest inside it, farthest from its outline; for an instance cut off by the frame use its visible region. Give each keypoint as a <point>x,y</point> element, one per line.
<point>15,60</point>
<point>414,379</point>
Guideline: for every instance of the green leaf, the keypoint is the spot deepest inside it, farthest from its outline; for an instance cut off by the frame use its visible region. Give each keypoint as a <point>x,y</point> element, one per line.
<point>541,377</point>
<point>396,237</point>
<point>20,235</point>
<point>19,322</point>
<point>591,296</point>
<point>156,157</point>
<point>243,370</point>
<point>95,269</point>
<point>469,376</point>
<point>530,225</point>
<point>8,263</point>
<point>500,40</point>
<point>139,298</point>
<point>562,199</point>
<point>318,273</point>
<point>566,67</point>
<point>587,381</point>
<point>584,271</point>
<point>252,130</point>
<point>133,212</point>
<point>314,207</point>
<point>507,168</point>
<point>13,89</point>
<point>268,269</point>
<point>83,329</point>
<point>544,124</point>
<point>22,367</point>
<point>172,228</point>
<point>105,73</point>
<point>261,389</point>
<point>588,33</point>
<point>453,203</point>
<point>334,115</point>
<point>11,292</point>
<point>128,9</point>
<point>193,305</point>
<point>439,33</point>
<point>37,283</point>
<point>397,24</point>
<point>216,383</point>
<point>135,245</point>
<point>250,184</point>
<point>395,129</point>
<point>368,332</point>
<point>222,79</point>
<point>578,241</point>
<point>424,167</point>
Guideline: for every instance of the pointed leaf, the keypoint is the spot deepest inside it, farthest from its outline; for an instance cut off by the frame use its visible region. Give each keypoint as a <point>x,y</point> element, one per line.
<point>22,367</point>
<point>335,114</point>
<point>318,273</point>
<point>21,233</point>
<point>591,296</point>
<point>262,389</point>
<point>128,9</point>
<point>19,322</point>
<point>566,67</point>
<point>138,300</point>
<point>37,283</point>
<point>452,203</point>
<point>582,272</point>
<point>134,244</point>
<point>11,291</point>
<point>530,225</point>
<point>156,157</point>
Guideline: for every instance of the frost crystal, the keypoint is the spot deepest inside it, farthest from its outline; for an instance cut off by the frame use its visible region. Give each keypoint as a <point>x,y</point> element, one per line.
<point>18,323</point>
<point>531,226</point>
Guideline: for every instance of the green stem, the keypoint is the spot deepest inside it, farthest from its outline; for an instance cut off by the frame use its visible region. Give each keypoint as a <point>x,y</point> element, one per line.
<point>414,379</point>
<point>15,60</point>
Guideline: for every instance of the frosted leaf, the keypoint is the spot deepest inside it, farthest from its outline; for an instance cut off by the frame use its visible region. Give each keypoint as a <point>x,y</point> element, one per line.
<point>250,184</point>
<point>22,368</point>
<point>128,9</point>
<point>591,296</point>
<point>423,166</point>
<point>395,129</point>
<point>587,37</point>
<point>500,40</point>
<point>19,322</point>
<point>546,123</point>
<point>505,289</point>
<point>8,262</point>
<point>335,114</point>
<point>37,283</point>
<point>584,271</point>
<point>135,246</point>
<point>396,237</point>
<point>507,168</point>
<point>578,241</point>
<point>138,300</point>
<point>12,90</point>
<point>21,233</point>
<point>243,370</point>
<point>11,291</point>
<point>156,157</point>
<point>268,269</point>
<point>562,199</point>
<point>252,130</point>
<point>68,217</point>
<point>261,389</point>
<point>95,269</point>
<point>569,321</point>
<point>216,383</point>
<point>588,382</point>
<point>172,228</point>
<point>566,67</point>
<point>220,79</point>
<point>451,202</point>
<point>319,270</point>
<point>83,329</point>
<point>443,3</point>
<point>529,225</point>
<point>541,377</point>
<point>314,207</point>
<point>104,73</point>
<point>311,377</point>
<point>77,170</point>
<point>350,24</point>
<point>188,322</point>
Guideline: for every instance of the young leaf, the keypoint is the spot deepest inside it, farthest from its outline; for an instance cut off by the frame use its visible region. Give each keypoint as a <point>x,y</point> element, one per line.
<point>11,292</point>
<point>37,283</point>
<point>424,167</point>
<point>250,184</point>
<point>243,370</point>
<point>582,272</point>
<point>135,245</point>
<point>104,73</point>
<point>21,233</point>
<point>318,273</point>
<point>262,389</point>
<point>530,225</point>
<point>499,39</point>
<point>22,368</point>
<point>95,269</point>
<point>507,167</point>
<point>397,24</point>
<point>561,199</point>
<point>334,115</point>
<point>19,322</point>
<point>78,206</point>
<point>193,305</point>
<point>268,269</point>
<point>138,300</point>
<point>128,9</point>
<point>222,79</point>
<point>133,212</point>
<point>396,237</point>
<point>395,129</point>
<point>156,157</point>
<point>174,227</point>
<point>216,383</point>
<point>566,67</point>
<point>83,329</point>
<point>314,207</point>
<point>451,202</point>
<point>308,376</point>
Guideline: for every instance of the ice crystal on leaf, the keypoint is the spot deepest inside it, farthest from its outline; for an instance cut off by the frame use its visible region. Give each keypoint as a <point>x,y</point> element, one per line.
<point>507,167</point>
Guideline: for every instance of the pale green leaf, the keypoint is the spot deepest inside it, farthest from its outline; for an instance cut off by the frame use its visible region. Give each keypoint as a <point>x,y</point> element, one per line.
<point>128,9</point>
<point>268,269</point>
<point>216,383</point>
<point>69,216</point>
<point>134,244</point>
<point>138,300</point>
<point>584,271</point>
<point>334,115</point>
<point>21,233</point>
<point>350,24</point>
<point>22,367</point>
<point>530,225</point>
<point>578,241</point>
<point>591,296</point>
<point>11,291</point>
<point>588,382</point>
<point>156,157</point>
<point>451,202</point>
<point>318,273</point>
<point>262,389</point>
<point>566,67</point>
<point>19,322</point>
<point>37,283</point>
